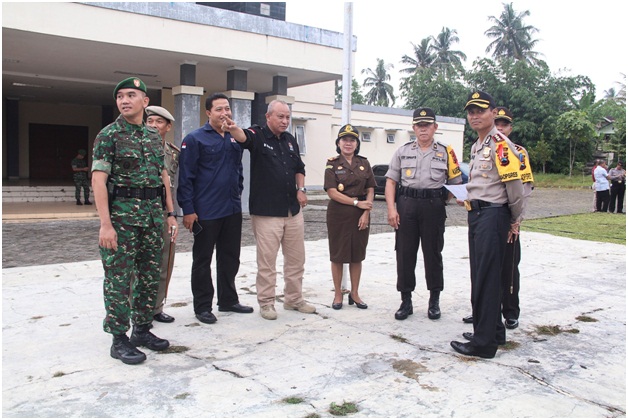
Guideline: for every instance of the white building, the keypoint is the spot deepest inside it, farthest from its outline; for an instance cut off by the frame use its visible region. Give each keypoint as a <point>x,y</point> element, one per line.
<point>61,61</point>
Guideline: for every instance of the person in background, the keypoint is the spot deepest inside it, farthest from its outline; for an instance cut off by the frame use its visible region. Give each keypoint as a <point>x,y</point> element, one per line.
<point>350,185</point>
<point>160,119</point>
<point>80,170</point>
<point>617,176</point>
<point>602,187</point>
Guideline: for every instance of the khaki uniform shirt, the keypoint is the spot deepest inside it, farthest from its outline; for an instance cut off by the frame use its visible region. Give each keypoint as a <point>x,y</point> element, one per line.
<point>430,169</point>
<point>352,179</point>
<point>495,175</point>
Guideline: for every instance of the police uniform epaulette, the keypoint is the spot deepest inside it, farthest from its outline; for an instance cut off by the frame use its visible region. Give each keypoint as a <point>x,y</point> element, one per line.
<point>333,158</point>
<point>172,145</point>
<point>442,144</point>
<point>497,137</point>
<point>361,157</point>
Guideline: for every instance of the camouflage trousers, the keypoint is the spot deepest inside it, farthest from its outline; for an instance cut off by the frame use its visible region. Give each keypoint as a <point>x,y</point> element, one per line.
<point>131,277</point>
<point>81,183</point>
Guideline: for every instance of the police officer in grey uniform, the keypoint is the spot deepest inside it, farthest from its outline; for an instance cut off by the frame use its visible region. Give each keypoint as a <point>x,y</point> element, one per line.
<point>495,205</point>
<point>159,118</point>
<point>416,198</point>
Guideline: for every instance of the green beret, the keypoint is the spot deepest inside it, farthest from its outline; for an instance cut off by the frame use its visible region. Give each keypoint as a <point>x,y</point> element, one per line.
<point>130,83</point>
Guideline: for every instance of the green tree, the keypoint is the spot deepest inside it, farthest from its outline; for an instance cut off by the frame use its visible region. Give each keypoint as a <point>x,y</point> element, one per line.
<point>447,62</point>
<point>357,98</point>
<point>511,37</point>
<point>445,97</point>
<point>577,129</point>
<point>381,92</point>
<point>541,153</point>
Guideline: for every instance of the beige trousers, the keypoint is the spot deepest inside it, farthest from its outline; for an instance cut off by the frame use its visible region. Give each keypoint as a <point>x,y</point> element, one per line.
<point>271,233</point>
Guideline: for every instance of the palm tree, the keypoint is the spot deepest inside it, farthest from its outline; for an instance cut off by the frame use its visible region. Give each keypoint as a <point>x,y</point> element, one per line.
<point>423,57</point>
<point>447,62</point>
<point>511,38</point>
<point>381,92</point>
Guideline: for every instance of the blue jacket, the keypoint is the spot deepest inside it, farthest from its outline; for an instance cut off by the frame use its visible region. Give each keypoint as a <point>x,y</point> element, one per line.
<point>210,174</point>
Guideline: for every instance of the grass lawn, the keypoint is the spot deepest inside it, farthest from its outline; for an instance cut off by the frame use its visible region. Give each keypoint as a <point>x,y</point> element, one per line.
<point>601,227</point>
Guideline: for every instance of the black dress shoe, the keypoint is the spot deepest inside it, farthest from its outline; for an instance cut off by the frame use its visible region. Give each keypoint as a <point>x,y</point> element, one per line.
<point>511,324</point>
<point>206,317</point>
<point>468,319</point>
<point>336,306</point>
<point>162,317</point>
<point>470,350</point>
<point>469,336</point>
<point>241,309</point>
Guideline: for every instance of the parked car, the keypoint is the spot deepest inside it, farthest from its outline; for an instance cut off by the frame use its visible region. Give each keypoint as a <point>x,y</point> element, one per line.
<point>380,177</point>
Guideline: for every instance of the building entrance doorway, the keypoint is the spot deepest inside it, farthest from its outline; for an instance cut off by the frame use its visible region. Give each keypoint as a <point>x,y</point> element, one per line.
<point>52,148</point>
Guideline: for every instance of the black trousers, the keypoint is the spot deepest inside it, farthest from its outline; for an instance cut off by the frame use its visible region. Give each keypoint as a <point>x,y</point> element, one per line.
<point>601,200</point>
<point>225,235</point>
<point>421,220</point>
<point>511,280</point>
<point>617,196</point>
<point>488,233</point>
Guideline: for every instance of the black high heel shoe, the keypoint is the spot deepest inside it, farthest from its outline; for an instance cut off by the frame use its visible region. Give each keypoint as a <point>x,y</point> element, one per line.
<point>336,306</point>
<point>359,305</point>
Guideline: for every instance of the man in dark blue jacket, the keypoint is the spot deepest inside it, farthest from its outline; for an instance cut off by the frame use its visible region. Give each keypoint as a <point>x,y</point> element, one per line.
<point>209,193</point>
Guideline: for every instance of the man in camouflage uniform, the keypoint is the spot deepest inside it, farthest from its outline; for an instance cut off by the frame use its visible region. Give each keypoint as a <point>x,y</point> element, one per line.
<point>80,168</point>
<point>128,179</point>
<point>160,119</point>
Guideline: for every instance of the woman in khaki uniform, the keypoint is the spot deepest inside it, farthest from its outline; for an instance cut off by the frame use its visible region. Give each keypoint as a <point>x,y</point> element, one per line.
<point>350,185</point>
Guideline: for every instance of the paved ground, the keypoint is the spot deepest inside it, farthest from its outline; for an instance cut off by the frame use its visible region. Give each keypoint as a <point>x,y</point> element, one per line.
<point>35,242</point>
<point>567,358</point>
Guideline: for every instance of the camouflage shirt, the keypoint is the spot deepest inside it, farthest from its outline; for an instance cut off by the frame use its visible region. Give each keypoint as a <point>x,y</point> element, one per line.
<point>133,157</point>
<point>78,164</point>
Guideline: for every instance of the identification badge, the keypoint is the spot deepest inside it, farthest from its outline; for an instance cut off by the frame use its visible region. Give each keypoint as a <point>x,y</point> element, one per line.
<point>341,187</point>
<point>486,152</point>
<point>408,172</point>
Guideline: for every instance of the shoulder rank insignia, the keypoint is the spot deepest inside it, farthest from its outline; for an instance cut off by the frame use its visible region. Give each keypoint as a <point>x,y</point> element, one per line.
<point>172,146</point>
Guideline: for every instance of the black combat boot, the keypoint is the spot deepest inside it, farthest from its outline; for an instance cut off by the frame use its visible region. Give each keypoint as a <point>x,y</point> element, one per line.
<point>87,202</point>
<point>406,306</point>
<point>78,203</point>
<point>142,336</point>
<point>433,310</point>
<point>125,351</point>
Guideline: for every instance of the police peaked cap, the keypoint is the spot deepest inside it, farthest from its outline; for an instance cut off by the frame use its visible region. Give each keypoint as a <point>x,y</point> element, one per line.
<point>425,115</point>
<point>480,99</point>
<point>130,83</point>
<point>503,113</point>
<point>348,130</point>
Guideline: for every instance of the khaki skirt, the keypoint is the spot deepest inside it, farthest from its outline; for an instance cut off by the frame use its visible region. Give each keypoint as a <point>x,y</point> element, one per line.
<point>347,244</point>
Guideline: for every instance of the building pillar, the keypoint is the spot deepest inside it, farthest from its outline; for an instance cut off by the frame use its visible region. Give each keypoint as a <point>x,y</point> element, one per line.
<point>187,109</point>
<point>241,110</point>
<point>12,107</point>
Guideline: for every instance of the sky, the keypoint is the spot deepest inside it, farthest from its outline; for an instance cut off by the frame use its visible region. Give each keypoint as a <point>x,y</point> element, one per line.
<point>575,39</point>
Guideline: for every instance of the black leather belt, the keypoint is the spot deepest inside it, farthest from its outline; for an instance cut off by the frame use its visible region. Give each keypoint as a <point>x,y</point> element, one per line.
<point>141,193</point>
<point>421,193</point>
<point>480,204</point>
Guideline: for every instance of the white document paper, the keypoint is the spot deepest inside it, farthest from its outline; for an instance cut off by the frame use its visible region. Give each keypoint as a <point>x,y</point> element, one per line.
<point>459,191</point>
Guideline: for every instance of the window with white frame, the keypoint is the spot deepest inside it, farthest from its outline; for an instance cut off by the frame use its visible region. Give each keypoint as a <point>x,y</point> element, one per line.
<point>366,136</point>
<point>390,137</point>
<point>299,134</point>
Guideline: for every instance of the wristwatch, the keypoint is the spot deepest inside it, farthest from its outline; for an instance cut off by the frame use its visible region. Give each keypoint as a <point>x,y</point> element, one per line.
<point>302,189</point>
<point>171,213</point>
<point>355,202</point>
